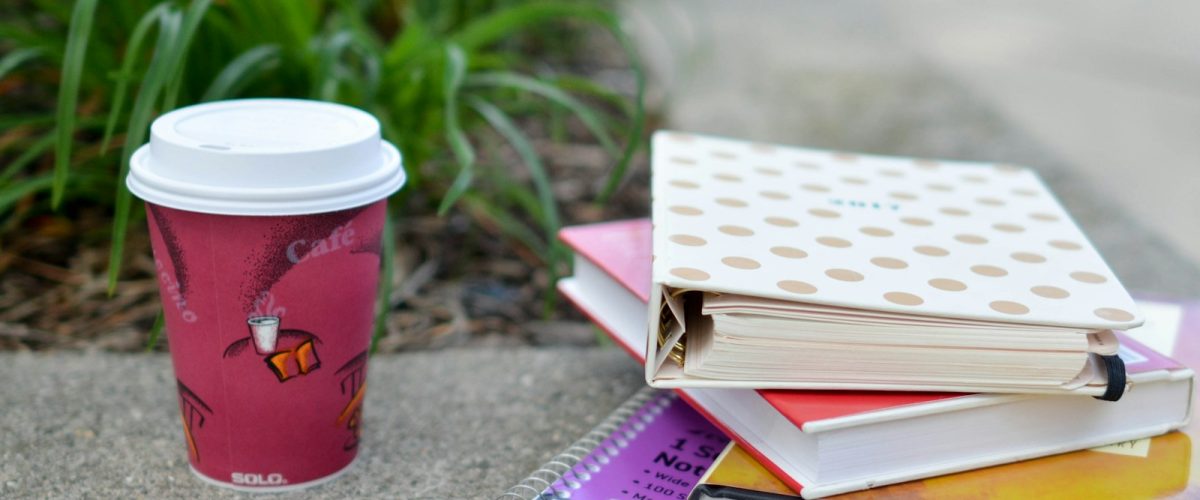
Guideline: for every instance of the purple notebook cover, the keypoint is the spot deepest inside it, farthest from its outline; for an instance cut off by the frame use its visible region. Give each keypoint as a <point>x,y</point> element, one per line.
<point>658,453</point>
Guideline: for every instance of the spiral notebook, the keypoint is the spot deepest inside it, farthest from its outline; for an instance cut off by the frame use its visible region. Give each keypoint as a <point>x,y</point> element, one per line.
<point>653,447</point>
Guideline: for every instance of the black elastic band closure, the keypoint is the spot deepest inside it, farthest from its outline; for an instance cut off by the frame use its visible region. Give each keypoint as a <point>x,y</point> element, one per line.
<point>733,493</point>
<point>1116,378</point>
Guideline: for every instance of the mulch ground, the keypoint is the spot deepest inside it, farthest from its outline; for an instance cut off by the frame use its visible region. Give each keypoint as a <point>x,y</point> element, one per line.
<point>457,280</point>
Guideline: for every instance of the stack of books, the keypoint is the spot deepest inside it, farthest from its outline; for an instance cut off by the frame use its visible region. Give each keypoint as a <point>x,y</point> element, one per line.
<point>855,321</point>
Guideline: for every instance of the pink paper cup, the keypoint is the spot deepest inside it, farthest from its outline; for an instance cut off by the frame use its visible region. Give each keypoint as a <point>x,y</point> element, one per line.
<point>265,218</point>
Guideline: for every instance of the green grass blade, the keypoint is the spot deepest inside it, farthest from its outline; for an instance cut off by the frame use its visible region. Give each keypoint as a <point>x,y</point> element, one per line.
<point>157,74</point>
<point>9,121</point>
<point>508,225</point>
<point>242,70</point>
<point>633,139</point>
<point>589,117</point>
<point>17,58</point>
<point>155,331</point>
<point>10,193</point>
<point>68,93</point>
<point>520,143</point>
<point>584,86</point>
<point>384,306</point>
<point>464,154</point>
<point>178,60</point>
<point>504,22</point>
<point>327,77</point>
<point>132,50</point>
<point>32,152</point>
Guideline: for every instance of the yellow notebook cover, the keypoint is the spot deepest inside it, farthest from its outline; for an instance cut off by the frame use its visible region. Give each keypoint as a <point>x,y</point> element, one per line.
<point>1145,468</point>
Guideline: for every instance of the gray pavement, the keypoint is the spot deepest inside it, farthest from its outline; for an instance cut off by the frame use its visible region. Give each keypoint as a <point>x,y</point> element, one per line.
<point>444,424</point>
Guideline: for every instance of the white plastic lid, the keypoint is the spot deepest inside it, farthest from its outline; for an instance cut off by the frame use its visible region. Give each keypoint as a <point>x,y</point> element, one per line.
<point>265,157</point>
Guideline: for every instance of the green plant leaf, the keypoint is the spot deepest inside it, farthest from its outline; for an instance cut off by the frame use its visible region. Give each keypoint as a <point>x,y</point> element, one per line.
<point>520,143</point>
<point>384,299</point>
<point>68,93</point>
<point>581,85</point>
<point>17,57</point>
<point>31,152</point>
<point>134,47</point>
<point>9,121</point>
<point>10,193</point>
<point>633,139</point>
<point>508,225</point>
<point>155,331</point>
<point>242,70</point>
<point>178,60</point>
<point>506,21</point>
<point>464,154</point>
<point>589,117</point>
<point>139,120</point>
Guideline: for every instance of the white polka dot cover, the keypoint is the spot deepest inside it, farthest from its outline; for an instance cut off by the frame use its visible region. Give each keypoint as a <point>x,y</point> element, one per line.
<point>898,237</point>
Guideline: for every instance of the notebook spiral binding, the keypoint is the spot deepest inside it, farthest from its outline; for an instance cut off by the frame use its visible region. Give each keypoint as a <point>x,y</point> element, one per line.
<point>540,484</point>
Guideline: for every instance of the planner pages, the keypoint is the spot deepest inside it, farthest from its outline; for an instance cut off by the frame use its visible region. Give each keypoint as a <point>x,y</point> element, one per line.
<point>779,266</point>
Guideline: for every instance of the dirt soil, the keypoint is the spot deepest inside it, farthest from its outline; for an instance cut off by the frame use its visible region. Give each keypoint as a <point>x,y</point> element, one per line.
<point>456,282</point>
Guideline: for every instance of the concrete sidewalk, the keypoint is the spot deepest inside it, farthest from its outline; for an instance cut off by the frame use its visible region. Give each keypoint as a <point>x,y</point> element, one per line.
<point>446,424</point>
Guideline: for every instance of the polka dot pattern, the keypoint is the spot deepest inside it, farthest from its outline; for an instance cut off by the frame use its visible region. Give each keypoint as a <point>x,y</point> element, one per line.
<point>1028,257</point>
<point>774,195</point>
<point>947,284</point>
<point>789,252</point>
<point>688,240</point>
<point>903,298</point>
<point>690,274</point>
<point>971,239</point>
<point>1008,228</point>
<point>1113,314</point>
<point>889,263</point>
<point>989,271</point>
<point>1065,245</point>
<point>940,238</point>
<point>781,221</point>
<point>686,210</point>
<point>1009,307</point>
<point>931,251</point>
<point>1050,292</point>
<point>955,211</point>
<point>733,230</point>
<point>741,262</point>
<point>799,287</point>
<point>834,242</point>
<point>1088,277</point>
<point>844,275</point>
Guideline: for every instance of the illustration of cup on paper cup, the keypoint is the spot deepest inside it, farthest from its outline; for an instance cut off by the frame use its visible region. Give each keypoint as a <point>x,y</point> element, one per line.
<point>253,204</point>
<point>264,330</point>
<point>287,353</point>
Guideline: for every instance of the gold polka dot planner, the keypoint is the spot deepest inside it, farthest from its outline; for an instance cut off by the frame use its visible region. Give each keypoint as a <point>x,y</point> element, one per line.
<point>786,267</point>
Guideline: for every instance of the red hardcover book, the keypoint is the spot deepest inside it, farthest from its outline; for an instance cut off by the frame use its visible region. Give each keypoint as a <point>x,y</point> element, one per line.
<point>828,442</point>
